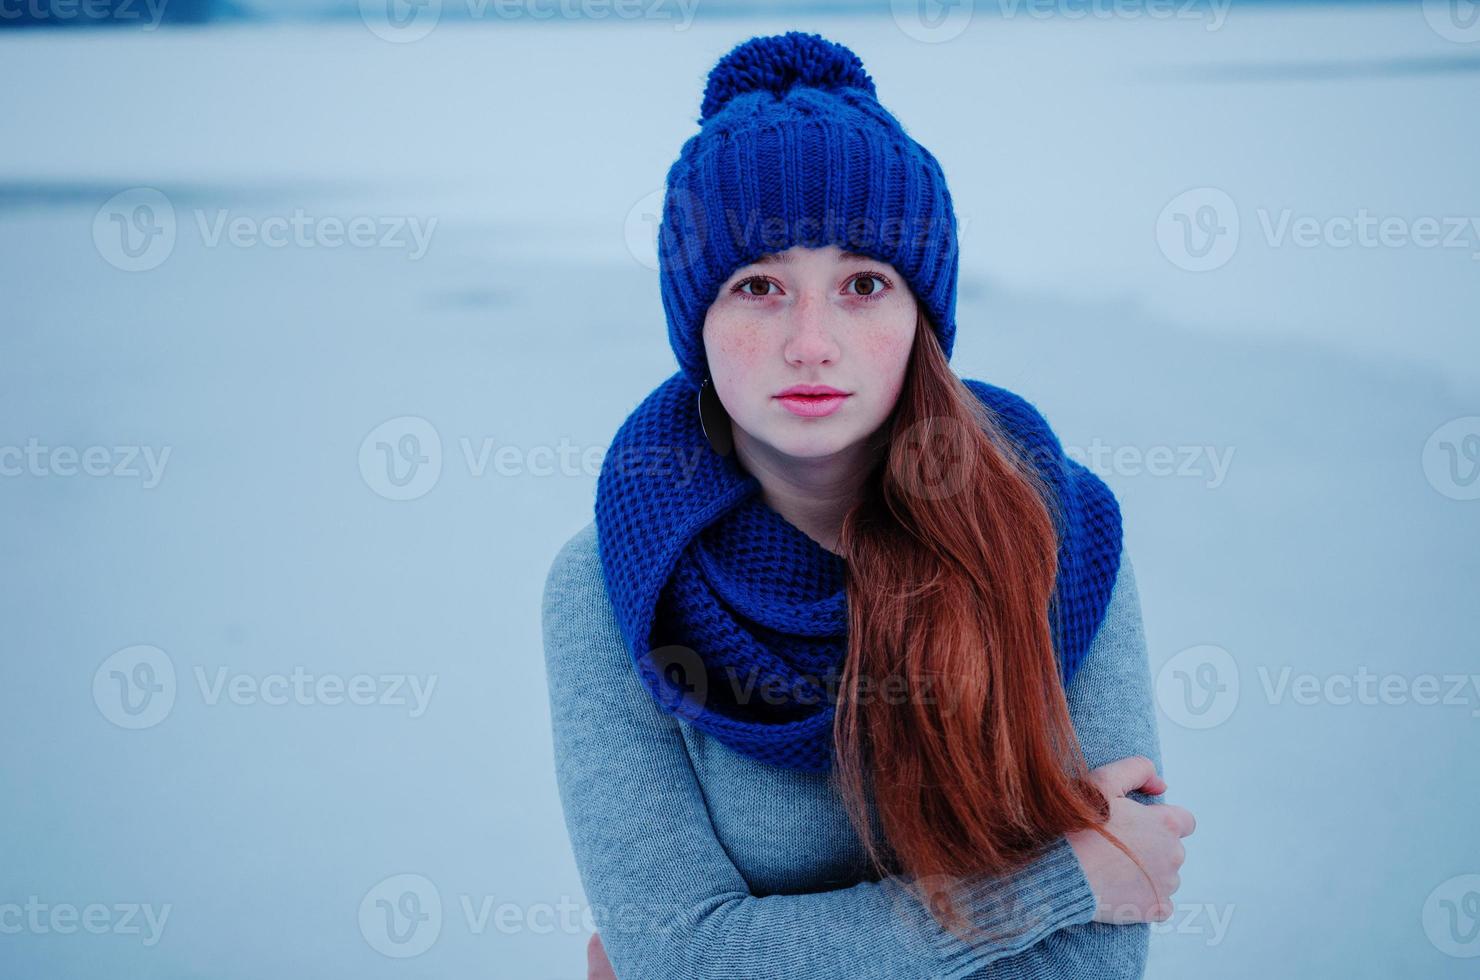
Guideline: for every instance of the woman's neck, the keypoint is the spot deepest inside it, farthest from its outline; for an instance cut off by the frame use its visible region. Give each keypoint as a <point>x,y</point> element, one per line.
<point>815,494</point>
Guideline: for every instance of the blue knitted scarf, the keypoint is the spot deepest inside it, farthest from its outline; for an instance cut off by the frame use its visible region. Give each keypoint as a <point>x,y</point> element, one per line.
<point>737,621</point>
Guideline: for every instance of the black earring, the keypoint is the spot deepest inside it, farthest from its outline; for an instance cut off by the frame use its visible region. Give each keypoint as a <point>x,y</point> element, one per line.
<point>714,420</point>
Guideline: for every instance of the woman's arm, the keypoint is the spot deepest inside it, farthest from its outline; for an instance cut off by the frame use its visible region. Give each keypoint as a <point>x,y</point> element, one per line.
<point>670,903</point>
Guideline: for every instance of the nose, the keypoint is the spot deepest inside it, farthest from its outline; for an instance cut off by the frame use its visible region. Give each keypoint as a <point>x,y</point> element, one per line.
<point>812,337</point>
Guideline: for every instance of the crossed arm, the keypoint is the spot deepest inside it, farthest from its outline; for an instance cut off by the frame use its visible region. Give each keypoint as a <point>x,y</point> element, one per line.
<point>669,902</point>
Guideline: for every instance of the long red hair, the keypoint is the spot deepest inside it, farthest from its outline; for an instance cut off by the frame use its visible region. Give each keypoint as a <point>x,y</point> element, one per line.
<point>951,714</point>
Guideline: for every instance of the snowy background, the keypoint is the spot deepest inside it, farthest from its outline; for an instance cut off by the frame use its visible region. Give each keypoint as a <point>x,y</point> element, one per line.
<point>1173,243</point>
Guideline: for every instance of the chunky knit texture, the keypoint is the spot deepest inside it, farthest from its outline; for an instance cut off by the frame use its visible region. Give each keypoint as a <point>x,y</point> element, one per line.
<point>736,620</point>
<point>776,64</point>
<point>795,149</point>
<point>702,864</point>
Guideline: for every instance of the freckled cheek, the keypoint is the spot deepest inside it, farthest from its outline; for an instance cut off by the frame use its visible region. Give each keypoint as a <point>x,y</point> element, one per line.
<point>886,348</point>
<point>885,352</point>
<point>736,349</point>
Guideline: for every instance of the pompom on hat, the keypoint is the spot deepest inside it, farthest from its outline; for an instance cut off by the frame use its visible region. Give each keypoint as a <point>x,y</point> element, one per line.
<point>795,149</point>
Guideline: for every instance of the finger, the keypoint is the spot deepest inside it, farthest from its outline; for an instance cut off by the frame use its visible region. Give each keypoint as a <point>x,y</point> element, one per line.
<point>1126,775</point>
<point>598,967</point>
<point>1180,818</point>
<point>1155,786</point>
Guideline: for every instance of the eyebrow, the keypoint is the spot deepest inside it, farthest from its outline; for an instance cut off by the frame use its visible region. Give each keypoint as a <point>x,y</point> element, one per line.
<point>782,258</point>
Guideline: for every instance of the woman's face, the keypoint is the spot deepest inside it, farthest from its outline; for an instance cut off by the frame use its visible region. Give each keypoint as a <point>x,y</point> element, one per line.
<point>810,317</point>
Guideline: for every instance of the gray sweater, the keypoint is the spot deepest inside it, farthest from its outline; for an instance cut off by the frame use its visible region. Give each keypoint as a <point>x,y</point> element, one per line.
<point>700,863</point>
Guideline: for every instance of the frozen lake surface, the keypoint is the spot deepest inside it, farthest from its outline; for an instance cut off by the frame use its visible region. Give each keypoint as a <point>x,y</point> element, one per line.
<point>1282,416</point>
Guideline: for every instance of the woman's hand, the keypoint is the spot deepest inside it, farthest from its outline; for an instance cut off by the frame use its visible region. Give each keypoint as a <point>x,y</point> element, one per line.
<point>598,967</point>
<point>1151,831</point>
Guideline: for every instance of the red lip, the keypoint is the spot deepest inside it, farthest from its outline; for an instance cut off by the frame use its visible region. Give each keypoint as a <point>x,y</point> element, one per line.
<point>810,390</point>
<point>812,401</point>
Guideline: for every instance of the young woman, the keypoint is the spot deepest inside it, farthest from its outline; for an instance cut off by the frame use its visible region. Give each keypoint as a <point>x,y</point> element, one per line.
<point>847,676</point>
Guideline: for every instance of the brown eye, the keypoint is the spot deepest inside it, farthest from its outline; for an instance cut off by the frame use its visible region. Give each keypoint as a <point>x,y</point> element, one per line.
<point>755,287</point>
<point>872,284</point>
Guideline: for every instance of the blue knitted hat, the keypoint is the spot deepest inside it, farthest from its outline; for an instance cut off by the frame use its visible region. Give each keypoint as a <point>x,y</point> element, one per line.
<point>795,149</point>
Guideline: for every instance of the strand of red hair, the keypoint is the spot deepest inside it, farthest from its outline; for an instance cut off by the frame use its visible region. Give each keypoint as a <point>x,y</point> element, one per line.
<point>972,762</point>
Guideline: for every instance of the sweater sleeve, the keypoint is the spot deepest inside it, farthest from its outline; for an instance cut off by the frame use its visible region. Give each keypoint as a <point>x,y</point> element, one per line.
<point>670,903</point>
